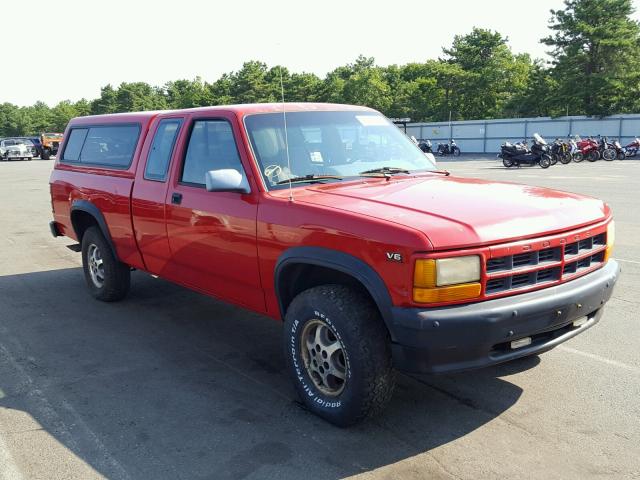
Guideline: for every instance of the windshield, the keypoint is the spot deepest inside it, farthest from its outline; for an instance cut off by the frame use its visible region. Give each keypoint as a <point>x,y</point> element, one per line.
<point>336,144</point>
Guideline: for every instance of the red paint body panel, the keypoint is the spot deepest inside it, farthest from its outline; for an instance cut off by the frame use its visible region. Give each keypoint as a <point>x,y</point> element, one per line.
<point>228,244</point>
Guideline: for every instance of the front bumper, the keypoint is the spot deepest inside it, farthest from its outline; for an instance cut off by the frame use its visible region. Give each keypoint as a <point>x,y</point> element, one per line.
<point>455,338</point>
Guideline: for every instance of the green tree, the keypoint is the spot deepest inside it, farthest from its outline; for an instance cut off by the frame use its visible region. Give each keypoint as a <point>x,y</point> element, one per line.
<point>106,103</point>
<point>187,94</point>
<point>493,73</point>
<point>596,49</point>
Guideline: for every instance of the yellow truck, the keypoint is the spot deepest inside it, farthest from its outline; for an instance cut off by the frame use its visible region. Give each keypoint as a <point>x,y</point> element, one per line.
<point>49,144</point>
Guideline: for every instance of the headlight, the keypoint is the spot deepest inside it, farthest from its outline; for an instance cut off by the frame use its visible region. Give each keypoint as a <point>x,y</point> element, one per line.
<point>446,279</point>
<point>611,237</point>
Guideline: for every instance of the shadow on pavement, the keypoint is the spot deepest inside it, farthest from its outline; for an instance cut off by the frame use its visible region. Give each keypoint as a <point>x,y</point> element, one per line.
<point>172,384</point>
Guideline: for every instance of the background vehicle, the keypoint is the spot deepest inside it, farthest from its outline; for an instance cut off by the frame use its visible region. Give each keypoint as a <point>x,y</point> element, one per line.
<point>37,144</point>
<point>450,148</point>
<point>560,152</point>
<point>519,154</point>
<point>50,143</point>
<point>575,152</point>
<point>16,149</point>
<point>589,148</point>
<point>372,257</point>
<point>425,146</point>
<point>606,149</point>
<point>619,149</point>
<point>632,148</point>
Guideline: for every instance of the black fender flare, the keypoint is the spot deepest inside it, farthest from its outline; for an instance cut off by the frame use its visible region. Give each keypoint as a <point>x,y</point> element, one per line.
<point>342,262</point>
<point>88,207</point>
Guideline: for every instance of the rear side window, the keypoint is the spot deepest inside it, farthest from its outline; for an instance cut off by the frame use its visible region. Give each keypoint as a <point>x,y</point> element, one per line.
<point>211,147</point>
<point>74,144</point>
<point>112,146</point>
<point>161,150</point>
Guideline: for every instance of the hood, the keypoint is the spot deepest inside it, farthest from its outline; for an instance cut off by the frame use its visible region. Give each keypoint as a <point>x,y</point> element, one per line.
<point>458,212</point>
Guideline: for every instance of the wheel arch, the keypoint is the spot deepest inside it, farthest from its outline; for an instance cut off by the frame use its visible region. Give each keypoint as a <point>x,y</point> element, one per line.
<point>301,268</point>
<point>85,214</point>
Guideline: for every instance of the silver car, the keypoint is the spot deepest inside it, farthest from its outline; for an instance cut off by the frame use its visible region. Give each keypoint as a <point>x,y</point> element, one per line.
<point>16,149</point>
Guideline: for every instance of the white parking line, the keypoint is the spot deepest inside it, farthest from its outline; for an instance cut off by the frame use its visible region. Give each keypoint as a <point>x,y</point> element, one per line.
<point>608,361</point>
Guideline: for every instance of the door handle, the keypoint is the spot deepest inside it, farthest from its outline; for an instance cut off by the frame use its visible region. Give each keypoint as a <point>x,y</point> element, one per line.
<point>176,198</point>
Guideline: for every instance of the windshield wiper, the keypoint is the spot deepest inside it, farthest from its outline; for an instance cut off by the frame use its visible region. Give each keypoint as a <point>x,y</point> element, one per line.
<point>312,178</point>
<point>385,171</point>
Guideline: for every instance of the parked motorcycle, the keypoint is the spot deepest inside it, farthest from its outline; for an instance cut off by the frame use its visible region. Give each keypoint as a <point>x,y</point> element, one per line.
<point>606,149</point>
<point>425,146</point>
<point>631,150</point>
<point>560,152</point>
<point>515,155</point>
<point>619,149</point>
<point>589,149</point>
<point>449,148</point>
<point>574,151</point>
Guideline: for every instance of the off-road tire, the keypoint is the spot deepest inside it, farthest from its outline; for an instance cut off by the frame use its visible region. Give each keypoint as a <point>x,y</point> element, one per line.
<point>45,155</point>
<point>117,275</point>
<point>356,323</point>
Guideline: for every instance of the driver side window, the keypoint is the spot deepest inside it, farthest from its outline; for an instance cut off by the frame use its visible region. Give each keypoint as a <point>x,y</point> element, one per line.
<point>211,147</point>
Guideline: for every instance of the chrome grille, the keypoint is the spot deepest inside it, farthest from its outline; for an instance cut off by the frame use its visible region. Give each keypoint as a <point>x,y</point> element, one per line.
<point>546,266</point>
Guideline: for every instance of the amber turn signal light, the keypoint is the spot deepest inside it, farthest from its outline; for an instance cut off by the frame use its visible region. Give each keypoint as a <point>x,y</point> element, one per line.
<point>446,294</point>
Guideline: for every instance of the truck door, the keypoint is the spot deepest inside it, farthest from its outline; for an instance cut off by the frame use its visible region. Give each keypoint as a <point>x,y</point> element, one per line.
<point>149,193</point>
<point>212,235</point>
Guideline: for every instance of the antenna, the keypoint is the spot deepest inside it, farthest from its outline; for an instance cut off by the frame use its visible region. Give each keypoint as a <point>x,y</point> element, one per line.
<point>286,136</point>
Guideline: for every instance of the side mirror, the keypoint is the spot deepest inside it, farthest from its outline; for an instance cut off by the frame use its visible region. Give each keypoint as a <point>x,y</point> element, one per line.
<point>226,180</point>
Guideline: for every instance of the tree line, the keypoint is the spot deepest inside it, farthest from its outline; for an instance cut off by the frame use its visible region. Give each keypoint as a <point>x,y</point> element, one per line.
<point>594,46</point>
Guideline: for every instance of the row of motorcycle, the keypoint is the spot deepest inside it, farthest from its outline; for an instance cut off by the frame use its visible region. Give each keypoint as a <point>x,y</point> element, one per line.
<point>443,149</point>
<point>565,151</point>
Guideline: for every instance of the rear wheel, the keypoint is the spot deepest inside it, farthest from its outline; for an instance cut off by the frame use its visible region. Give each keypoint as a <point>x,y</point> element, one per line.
<point>593,155</point>
<point>108,279</point>
<point>554,158</point>
<point>456,152</point>
<point>621,156</point>
<point>565,159</point>
<point>338,353</point>
<point>507,162</point>
<point>578,157</point>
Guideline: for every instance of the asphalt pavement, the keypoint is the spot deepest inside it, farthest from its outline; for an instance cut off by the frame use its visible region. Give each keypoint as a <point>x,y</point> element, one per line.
<point>172,384</point>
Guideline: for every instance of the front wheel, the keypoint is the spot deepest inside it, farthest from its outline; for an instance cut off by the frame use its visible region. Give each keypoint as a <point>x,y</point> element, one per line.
<point>107,278</point>
<point>46,154</point>
<point>593,155</point>
<point>545,161</point>
<point>456,152</point>
<point>578,157</point>
<point>609,154</point>
<point>338,353</point>
<point>620,155</point>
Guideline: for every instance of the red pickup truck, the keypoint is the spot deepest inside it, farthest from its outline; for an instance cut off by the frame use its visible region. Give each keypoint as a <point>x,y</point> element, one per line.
<point>329,218</point>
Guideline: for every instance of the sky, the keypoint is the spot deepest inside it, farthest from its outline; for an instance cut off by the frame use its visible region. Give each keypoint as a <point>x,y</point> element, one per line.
<point>91,43</point>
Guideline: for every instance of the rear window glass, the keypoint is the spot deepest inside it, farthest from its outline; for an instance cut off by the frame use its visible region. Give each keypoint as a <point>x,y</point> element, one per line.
<point>74,144</point>
<point>161,149</point>
<point>111,146</point>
